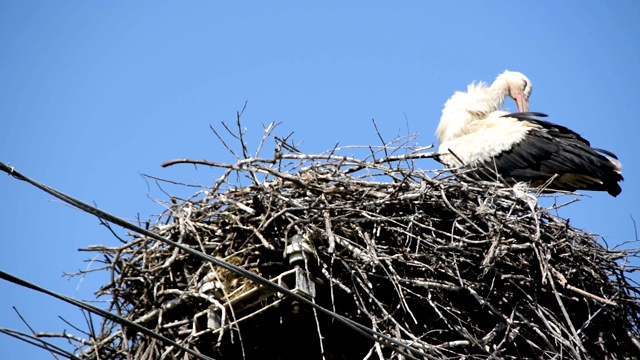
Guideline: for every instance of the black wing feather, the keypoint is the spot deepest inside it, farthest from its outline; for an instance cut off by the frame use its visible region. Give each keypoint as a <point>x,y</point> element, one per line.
<point>560,130</point>
<point>557,150</point>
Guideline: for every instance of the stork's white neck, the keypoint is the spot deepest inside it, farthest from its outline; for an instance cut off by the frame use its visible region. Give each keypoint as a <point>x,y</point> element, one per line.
<point>463,108</point>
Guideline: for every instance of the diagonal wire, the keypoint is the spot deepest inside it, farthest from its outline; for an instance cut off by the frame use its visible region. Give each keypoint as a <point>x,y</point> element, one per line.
<point>362,329</point>
<point>96,310</point>
<point>36,341</point>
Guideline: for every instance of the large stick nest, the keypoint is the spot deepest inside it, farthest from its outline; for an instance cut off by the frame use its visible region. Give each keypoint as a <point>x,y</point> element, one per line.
<point>443,263</point>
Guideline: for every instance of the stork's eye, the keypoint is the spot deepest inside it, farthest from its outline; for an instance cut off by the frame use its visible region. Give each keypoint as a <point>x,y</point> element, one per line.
<point>524,84</point>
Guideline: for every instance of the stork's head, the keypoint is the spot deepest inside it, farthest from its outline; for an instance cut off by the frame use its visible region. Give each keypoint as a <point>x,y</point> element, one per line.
<point>519,87</point>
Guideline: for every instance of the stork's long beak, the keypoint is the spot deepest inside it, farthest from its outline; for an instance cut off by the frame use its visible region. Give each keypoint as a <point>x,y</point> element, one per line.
<point>522,102</point>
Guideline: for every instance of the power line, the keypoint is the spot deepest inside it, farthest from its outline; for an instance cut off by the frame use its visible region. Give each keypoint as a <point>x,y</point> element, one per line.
<point>96,310</point>
<point>35,341</point>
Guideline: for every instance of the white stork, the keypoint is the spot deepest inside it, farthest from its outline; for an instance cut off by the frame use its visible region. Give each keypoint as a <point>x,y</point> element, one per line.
<point>520,147</point>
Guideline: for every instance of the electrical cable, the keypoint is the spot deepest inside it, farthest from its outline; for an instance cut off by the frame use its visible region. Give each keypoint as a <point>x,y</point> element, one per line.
<point>36,341</point>
<point>96,310</point>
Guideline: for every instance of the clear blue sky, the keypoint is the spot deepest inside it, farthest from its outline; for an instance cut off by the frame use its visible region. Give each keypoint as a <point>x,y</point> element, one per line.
<point>93,93</point>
